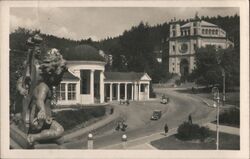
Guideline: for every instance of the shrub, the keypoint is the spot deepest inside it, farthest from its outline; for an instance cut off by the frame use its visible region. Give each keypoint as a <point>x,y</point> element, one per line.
<point>71,118</point>
<point>230,117</point>
<point>188,131</point>
<point>178,82</point>
<point>151,92</point>
<point>183,79</point>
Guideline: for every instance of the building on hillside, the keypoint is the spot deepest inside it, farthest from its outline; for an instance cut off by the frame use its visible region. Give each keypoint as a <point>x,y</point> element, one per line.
<point>158,51</point>
<point>185,39</point>
<point>86,81</point>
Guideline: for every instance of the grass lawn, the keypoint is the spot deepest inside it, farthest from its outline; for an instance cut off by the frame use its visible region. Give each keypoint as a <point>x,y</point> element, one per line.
<point>227,142</point>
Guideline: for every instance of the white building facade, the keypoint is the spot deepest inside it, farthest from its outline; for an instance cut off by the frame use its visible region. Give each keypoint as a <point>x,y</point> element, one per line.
<point>185,39</point>
<point>87,83</point>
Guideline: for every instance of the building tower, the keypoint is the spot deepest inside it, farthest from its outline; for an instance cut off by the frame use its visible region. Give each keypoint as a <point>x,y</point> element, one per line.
<point>185,39</point>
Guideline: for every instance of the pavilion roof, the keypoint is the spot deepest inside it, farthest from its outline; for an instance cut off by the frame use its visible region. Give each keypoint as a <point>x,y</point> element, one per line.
<point>125,76</point>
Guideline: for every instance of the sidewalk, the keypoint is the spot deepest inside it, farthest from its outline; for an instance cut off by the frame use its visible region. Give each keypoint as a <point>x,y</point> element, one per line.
<point>142,142</point>
<point>223,128</point>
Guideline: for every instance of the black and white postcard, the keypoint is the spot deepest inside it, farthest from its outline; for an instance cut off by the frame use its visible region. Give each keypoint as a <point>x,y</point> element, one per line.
<point>124,79</point>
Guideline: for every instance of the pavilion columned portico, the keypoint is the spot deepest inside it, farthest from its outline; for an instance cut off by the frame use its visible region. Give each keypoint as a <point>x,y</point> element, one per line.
<point>87,83</point>
<point>135,87</point>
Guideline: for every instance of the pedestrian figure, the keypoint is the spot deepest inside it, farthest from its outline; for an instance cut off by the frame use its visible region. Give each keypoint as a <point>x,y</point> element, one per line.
<point>166,128</point>
<point>190,119</point>
<point>111,110</point>
<point>127,102</point>
<point>118,126</point>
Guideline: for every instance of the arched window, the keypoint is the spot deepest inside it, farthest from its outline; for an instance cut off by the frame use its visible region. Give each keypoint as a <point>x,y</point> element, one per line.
<point>216,32</point>
<point>203,31</point>
<point>195,31</point>
<point>206,31</point>
<point>174,33</point>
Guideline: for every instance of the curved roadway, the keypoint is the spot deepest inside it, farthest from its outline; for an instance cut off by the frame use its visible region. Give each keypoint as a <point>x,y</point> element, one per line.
<point>137,116</point>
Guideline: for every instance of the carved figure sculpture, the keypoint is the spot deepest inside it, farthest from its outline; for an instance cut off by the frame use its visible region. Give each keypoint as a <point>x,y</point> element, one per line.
<point>44,71</point>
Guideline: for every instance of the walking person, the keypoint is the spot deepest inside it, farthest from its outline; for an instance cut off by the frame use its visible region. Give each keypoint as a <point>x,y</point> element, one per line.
<point>190,119</point>
<point>166,129</point>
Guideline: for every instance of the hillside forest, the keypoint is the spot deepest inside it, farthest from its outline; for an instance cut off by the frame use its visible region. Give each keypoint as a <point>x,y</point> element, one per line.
<point>135,49</point>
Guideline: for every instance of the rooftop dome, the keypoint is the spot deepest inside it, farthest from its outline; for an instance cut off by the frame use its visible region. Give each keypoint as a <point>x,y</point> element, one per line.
<point>82,53</point>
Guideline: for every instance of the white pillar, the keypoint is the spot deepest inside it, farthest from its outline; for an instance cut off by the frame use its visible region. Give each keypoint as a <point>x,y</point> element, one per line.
<point>118,91</point>
<point>139,92</point>
<point>135,92</point>
<point>92,85</point>
<point>148,89</point>
<point>125,91</point>
<point>110,92</point>
<point>66,91</point>
<point>132,92</point>
<point>101,87</point>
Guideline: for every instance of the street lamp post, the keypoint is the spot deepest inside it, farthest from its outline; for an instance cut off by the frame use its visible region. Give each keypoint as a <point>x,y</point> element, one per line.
<point>224,83</point>
<point>216,94</point>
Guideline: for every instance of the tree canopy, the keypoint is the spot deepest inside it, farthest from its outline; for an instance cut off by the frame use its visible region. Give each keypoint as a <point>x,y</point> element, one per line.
<point>210,62</point>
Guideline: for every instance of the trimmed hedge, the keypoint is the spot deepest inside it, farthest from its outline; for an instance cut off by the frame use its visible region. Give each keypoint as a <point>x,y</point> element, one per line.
<point>71,118</point>
<point>189,131</point>
<point>230,117</point>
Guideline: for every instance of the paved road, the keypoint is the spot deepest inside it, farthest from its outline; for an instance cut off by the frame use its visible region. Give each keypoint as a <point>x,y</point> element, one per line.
<point>137,116</point>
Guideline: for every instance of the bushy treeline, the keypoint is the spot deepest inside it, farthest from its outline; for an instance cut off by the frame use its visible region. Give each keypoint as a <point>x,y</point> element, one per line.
<point>212,62</point>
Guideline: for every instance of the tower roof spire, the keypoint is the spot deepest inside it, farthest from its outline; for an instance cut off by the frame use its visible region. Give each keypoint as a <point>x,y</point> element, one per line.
<point>196,17</point>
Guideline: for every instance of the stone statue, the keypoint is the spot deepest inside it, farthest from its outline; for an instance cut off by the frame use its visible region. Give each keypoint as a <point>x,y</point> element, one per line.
<point>43,72</point>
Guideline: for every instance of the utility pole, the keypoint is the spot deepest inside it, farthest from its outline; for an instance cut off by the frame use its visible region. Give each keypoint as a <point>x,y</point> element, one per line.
<point>216,95</point>
<point>224,85</point>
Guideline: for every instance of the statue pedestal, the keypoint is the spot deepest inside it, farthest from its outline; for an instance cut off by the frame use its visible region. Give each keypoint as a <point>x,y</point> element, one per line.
<point>18,137</point>
<point>18,140</point>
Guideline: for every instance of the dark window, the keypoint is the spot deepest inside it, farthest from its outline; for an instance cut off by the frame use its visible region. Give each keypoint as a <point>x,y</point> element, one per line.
<point>195,46</point>
<point>174,33</point>
<point>203,31</point>
<point>188,32</point>
<point>195,31</point>
<point>142,87</point>
<point>173,48</point>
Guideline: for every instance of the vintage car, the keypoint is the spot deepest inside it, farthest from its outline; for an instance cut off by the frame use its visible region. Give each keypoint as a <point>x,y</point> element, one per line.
<point>156,115</point>
<point>164,99</point>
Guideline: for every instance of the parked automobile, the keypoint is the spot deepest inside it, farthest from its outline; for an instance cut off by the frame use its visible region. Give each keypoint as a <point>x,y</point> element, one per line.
<point>156,115</point>
<point>164,99</point>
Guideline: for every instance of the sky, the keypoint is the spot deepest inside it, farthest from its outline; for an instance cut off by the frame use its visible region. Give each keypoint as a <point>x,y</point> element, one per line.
<point>100,23</point>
